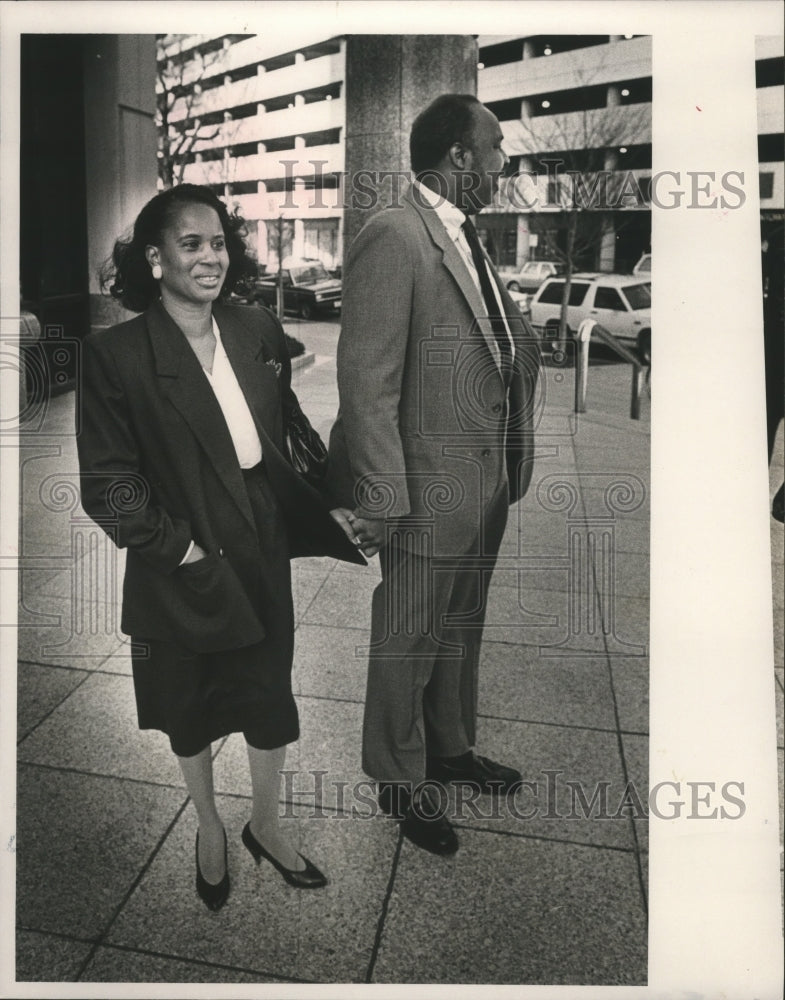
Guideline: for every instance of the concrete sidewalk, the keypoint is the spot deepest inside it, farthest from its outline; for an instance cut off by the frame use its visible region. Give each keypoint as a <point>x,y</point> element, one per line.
<point>105,837</point>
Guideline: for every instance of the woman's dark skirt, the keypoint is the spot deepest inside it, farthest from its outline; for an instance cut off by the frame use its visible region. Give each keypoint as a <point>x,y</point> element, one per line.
<point>196,698</point>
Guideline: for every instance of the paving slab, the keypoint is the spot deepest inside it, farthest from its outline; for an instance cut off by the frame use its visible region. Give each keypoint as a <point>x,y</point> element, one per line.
<point>516,683</point>
<point>306,584</point>
<point>95,731</point>
<point>266,926</point>
<point>509,911</point>
<point>631,683</point>
<point>532,617</point>
<point>81,840</point>
<point>119,965</point>
<point>330,662</point>
<point>631,574</point>
<point>39,691</point>
<point>636,757</point>
<point>325,763</point>
<point>344,600</point>
<point>53,630</point>
<point>559,763</point>
<point>42,958</point>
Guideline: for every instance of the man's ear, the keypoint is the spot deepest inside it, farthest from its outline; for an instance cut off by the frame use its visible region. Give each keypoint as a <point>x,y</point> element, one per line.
<point>460,156</point>
<point>151,255</point>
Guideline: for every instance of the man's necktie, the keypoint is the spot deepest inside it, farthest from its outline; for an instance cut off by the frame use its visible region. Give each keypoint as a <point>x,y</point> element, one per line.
<point>491,305</point>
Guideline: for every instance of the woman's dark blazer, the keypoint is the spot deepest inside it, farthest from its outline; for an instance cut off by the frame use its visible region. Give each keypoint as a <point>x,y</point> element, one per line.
<point>158,468</point>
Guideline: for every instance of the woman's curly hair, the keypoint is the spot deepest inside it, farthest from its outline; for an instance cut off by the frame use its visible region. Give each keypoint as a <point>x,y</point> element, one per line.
<point>126,275</point>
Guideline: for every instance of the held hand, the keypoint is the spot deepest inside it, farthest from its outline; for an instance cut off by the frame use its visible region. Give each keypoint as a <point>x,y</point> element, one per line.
<point>196,553</point>
<point>370,531</point>
<point>356,531</point>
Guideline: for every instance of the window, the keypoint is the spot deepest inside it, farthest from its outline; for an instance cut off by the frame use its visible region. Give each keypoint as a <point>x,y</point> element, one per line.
<point>578,291</point>
<point>766,182</point>
<point>638,296</point>
<point>551,293</point>
<point>608,298</point>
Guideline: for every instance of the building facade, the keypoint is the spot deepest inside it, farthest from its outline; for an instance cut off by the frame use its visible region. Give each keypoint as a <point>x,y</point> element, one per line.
<point>268,130</point>
<point>575,111</point>
<point>769,81</point>
<point>265,126</point>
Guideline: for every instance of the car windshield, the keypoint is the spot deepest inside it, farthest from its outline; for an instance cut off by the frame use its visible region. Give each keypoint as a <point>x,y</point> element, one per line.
<point>638,296</point>
<point>313,272</point>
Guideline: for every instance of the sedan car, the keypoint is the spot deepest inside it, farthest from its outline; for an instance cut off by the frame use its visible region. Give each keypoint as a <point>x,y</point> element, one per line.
<point>308,289</point>
<point>619,302</point>
<point>529,277</point>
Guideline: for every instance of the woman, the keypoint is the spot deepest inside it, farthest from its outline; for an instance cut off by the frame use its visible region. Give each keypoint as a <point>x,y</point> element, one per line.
<point>183,462</point>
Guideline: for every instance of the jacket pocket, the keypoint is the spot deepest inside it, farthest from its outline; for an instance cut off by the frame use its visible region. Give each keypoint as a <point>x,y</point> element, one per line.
<point>201,605</point>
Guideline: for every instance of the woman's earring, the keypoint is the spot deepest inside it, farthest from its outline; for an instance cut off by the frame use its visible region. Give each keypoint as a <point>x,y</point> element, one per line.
<point>157,272</point>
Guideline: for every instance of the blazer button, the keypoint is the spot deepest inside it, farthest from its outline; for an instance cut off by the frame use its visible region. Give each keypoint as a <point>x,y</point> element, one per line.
<point>497,407</point>
<point>486,452</point>
<point>220,552</point>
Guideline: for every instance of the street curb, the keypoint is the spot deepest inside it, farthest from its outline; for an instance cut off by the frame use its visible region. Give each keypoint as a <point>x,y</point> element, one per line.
<point>303,361</point>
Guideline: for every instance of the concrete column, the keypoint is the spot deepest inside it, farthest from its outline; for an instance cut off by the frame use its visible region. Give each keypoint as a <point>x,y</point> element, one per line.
<point>526,108</point>
<point>389,80</point>
<point>607,246</point>
<point>120,148</point>
<point>613,99</point>
<point>298,239</point>
<point>528,49</point>
<point>522,241</point>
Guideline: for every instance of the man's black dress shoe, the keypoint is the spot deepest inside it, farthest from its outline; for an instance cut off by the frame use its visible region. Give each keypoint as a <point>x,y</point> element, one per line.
<point>309,878</point>
<point>213,894</point>
<point>422,819</point>
<point>469,768</point>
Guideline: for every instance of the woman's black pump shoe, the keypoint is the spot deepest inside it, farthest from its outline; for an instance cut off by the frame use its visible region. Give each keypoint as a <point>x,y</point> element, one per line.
<point>214,895</point>
<point>309,878</point>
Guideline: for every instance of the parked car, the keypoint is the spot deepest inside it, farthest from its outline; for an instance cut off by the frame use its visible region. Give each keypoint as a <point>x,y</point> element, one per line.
<point>307,289</point>
<point>529,277</point>
<point>521,300</point>
<point>644,265</point>
<point>619,302</point>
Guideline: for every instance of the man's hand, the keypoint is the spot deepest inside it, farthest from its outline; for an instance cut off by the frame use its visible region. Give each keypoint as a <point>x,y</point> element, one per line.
<point>371,531</point>
<point>366,534</point>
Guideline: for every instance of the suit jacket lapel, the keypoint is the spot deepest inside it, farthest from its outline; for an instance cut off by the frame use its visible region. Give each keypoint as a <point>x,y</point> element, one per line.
<point>181,379</point>
<point>457,268</point>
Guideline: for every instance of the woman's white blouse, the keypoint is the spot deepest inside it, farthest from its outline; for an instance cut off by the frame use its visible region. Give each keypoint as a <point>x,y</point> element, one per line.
<point>235,409</point>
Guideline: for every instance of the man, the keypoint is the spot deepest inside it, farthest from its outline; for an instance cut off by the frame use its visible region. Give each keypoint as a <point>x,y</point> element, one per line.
<point>436,373</point>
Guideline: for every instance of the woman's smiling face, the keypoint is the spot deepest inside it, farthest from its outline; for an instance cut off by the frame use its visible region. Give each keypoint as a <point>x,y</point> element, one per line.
<point>192,255</point>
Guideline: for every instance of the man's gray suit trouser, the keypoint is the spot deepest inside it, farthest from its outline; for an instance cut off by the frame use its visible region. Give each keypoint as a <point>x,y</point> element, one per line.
<point>427,619</point>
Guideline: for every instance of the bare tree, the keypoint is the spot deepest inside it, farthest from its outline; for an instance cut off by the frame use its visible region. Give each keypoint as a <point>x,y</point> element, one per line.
<point>181,68</point>
<point>585,185</point>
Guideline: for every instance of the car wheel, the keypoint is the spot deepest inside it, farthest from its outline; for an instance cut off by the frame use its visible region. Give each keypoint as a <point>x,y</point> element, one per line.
<point>644,346</point>
<point>513,286</point>
<point>306,310</point>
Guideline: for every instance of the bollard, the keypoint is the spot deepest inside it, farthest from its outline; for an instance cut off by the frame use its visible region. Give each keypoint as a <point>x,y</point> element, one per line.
<point>638,375</point>
<point>582,364</point>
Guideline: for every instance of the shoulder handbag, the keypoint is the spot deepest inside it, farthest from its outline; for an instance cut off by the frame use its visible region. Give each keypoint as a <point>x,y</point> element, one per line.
<point>306,450</point>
